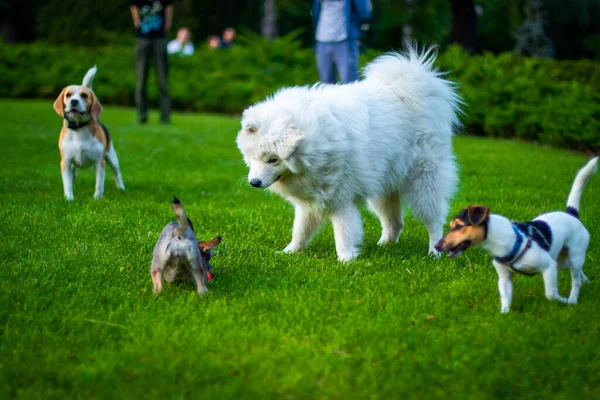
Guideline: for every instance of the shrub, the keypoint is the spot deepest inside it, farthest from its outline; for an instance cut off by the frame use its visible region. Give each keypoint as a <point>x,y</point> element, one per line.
<point>549,101</point>
<point>553,102</point>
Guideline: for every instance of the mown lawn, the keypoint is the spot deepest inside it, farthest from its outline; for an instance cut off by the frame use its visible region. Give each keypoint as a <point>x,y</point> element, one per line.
<point>78,317</point>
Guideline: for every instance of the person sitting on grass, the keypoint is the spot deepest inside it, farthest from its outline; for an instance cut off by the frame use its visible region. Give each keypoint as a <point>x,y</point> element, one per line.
<point>182,44</point>
<point>227,39</point>
<point>213,42</point>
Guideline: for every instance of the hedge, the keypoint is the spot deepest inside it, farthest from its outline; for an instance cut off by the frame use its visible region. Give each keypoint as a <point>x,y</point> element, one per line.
<point>552,102</point>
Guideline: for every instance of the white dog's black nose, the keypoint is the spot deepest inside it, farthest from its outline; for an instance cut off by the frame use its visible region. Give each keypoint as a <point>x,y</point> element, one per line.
<point>74,102</point>
<point>255,182</point>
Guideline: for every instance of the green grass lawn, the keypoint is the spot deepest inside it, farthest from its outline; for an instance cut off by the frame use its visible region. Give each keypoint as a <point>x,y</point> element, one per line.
<point>78,317</point>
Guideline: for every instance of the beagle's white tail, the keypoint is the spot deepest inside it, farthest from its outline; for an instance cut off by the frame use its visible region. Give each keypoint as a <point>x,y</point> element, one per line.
<point>582,178</point>
<point>88,79</point>
<point>182,219</point>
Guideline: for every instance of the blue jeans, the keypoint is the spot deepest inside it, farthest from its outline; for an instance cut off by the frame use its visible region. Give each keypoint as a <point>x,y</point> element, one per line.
<point>341,55</point>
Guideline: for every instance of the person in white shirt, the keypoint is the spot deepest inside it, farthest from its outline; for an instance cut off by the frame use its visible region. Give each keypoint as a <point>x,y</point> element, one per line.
<point>181,45</point>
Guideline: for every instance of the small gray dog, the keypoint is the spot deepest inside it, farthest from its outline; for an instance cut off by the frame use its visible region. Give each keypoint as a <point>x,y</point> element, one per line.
<point>178,255</point>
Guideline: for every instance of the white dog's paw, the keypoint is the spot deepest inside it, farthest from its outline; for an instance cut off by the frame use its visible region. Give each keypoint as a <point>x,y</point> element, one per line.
<point>347,256</point>
<point>98,196</point>
<point>121,186</point>
<point>69,197</point>
<point>289,249</point>
<point>386,240</point>
<point>505,310</point>
<point>572,301</point>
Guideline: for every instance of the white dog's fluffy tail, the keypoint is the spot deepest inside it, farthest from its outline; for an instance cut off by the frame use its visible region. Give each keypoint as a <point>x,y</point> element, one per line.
<point>182,220</point>
<point>582,178</point>
<point>88,79</point>
<point>415,80</point>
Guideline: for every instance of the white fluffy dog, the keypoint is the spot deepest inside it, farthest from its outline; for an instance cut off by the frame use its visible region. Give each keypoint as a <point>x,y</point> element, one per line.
<point>386,139</point>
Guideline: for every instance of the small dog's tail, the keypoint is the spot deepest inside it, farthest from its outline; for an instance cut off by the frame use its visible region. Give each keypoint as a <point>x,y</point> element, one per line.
<point>182,219</point>
<point>582,178</point>
<point>88,79</point>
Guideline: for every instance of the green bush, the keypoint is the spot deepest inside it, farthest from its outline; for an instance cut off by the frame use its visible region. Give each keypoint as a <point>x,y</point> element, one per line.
<point>210,80</point>
<point>553,102</point>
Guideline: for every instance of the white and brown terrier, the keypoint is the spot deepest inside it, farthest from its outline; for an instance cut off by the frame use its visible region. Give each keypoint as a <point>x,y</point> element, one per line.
<point>84,141</point>
<point>178,255</point>
<point>552,241</point>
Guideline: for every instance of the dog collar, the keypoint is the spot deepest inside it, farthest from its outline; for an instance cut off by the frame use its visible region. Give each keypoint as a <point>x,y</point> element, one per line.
<point>76,125</point>
<point>511,259</point>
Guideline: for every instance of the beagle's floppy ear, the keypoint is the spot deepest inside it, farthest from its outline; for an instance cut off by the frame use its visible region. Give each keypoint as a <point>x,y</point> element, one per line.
<point>59,105</point>
<point>96,108</point>
<point>287,142</point>
<point>205,247</point>
<point>478,215</point>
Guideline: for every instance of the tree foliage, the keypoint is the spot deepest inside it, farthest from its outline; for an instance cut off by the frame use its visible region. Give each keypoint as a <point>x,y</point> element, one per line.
<point>572,25</point>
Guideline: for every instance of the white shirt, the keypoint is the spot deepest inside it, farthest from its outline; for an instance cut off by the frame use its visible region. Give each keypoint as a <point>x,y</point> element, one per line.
<point>331,27</point>
<point>174,47</point>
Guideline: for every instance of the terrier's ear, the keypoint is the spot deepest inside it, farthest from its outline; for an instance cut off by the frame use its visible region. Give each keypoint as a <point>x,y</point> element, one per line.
<point>206,247</point>
<point>478,215</point>
<point>96,107</point>
<point>59,105</point>
<point>287,142</point>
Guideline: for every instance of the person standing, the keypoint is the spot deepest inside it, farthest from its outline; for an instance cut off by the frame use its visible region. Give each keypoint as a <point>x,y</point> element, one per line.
<point>337,31</point>
<point>152,20</point>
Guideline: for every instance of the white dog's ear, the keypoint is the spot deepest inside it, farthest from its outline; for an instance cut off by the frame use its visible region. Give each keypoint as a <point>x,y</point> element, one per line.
<point>287,142</point>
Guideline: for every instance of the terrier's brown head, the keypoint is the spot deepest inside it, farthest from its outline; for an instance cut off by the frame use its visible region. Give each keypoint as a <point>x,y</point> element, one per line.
<point>468,228</point>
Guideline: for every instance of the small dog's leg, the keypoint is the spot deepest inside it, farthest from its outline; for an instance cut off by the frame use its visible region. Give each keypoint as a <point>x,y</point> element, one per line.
<point>389,211</point>
<point>113,161</point>
<point>348,233</point>
<point>67,178</point>
<point>306,222</point>
<point>551,282</point>
<point>576,262</point>
<point>505,287</point>
<point>100,175</point>
<point>198,274</point>
<point>157,275</point>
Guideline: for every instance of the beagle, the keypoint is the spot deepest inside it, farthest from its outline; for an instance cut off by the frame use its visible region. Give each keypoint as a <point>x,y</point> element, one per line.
<point>555,240</point>
<point>84,141</point>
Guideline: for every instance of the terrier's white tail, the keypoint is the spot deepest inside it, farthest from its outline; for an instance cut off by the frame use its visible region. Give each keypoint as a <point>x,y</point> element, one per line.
<point>582,178</point>
<point>182,219</point>
<point>88,79</point>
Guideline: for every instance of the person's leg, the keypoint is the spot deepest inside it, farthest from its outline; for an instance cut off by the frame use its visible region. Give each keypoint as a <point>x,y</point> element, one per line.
<point>142,55</point>
<point>346,60</point>
<point>160,54</point>
<point>325,63</point>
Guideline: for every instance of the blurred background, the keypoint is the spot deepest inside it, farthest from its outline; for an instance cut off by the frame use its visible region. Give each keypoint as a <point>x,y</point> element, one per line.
<point>526,68</point>
<point>480,25</point>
